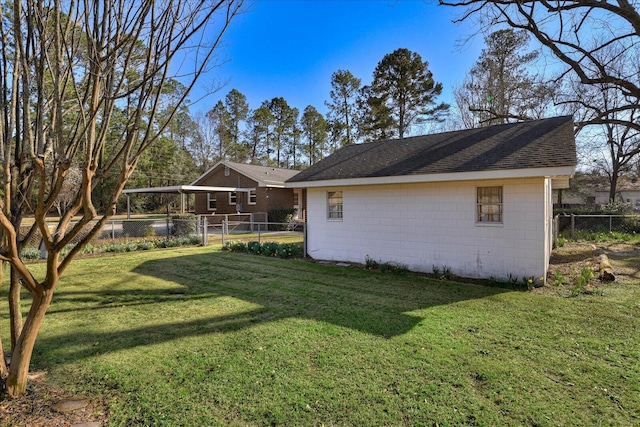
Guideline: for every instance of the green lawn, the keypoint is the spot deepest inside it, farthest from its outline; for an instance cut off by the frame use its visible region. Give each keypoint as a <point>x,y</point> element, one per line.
<point>199,337</point>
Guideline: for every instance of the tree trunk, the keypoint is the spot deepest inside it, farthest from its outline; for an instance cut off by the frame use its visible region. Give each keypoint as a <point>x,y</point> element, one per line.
<point>16,383</point>
<point>15,313</point>
<point>614,186</point>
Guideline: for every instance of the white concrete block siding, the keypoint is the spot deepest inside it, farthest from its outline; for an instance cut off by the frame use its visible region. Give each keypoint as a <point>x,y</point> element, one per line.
<point>425,224</point>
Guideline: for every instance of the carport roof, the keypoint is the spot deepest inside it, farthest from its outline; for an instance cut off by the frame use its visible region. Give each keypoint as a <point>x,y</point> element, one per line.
<point>183,189</point>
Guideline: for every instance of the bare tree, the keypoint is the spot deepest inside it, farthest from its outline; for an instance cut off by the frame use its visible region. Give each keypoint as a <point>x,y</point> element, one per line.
<point>500,88</point>
<point>576,32</point>
<point>67,71</point>
<point>612,147</point>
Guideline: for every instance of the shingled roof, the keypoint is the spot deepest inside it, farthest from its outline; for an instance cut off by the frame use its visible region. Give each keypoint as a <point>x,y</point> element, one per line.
<point>265,176</point>
<point>545,143</point>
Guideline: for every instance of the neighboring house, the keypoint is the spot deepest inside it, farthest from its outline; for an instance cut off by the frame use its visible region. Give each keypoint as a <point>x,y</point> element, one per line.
<point>264,186</point>
<point>478,202</point>
<point>593,190</point>
<point>627,192</point>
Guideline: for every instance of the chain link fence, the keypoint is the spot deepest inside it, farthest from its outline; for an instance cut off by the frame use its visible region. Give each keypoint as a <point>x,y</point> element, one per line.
<point>571,225</point>
<point>119,229</point>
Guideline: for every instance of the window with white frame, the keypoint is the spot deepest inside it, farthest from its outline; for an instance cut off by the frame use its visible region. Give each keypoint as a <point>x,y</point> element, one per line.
<point>226,171</point>
<point>253,197</point>
<point>334,205</point>
<point>489,205</point>
<point>211,201</point>
<point>233,198</point>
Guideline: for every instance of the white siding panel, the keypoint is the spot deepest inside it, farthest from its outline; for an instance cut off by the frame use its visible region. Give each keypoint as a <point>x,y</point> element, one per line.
<point>422,225</point>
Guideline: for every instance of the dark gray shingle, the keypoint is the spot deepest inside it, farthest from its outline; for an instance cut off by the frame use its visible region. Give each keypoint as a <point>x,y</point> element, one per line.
<point>534,144</point>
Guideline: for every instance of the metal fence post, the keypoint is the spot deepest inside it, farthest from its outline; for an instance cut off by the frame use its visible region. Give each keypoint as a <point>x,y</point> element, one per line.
<point>573,227</point>
<point>205,233</point>
<point>222,231</point>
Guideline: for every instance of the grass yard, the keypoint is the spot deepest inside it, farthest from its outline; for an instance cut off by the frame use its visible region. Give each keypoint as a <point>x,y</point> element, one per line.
<point>200,337</point>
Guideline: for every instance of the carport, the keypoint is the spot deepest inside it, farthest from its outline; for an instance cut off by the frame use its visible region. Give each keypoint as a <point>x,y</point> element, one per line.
<point>178,189</point>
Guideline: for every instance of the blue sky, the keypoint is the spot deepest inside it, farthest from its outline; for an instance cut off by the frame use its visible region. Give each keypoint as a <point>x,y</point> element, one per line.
<point>290,48</point>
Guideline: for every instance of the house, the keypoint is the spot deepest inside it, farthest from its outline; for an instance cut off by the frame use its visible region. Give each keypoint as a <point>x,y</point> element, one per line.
<point>265,189</point>
<point>477,202</point>
<point>592,190</point>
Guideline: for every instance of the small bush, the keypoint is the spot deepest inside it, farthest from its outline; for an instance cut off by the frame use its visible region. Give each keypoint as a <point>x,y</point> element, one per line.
<point>183,225</point>
<point>269,248</point>
<point>283,216</point>
<point>631,224</point>
<point>138,228</point>
<point>254,247</point>
<point>30,253</point>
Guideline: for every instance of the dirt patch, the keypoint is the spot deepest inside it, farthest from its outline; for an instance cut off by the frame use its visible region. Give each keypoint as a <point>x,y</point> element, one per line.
<point>568,263</point>
<point>35,409</point>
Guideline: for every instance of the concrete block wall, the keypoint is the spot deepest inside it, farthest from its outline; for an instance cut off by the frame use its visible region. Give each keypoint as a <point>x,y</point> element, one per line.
<point>427,224</point>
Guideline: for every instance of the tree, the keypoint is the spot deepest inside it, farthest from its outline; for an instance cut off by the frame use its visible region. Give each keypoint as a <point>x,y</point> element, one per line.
<point>237,111</point>
<point>404,85</point>
<point>284,122</point>
<point>203,145</point>
<point>575,33</point>
<point>612,147</point>
<point>68,70</point>
<point>315,130</point>
<point>343,105</point>
<point>375,117</point>
<point>260,128</point>
<point>499,88</point>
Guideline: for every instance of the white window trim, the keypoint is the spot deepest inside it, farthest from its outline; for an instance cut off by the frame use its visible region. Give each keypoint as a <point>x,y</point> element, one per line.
<point>487,223</point>
<point>254,192</point>
<point>235,196</point>
<point>340,211</point>
<point>209,199</point>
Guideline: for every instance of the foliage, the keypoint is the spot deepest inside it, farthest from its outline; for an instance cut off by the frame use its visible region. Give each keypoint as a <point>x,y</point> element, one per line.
<point>315,129</point>
<point>138,227</point>
<point>283,218</point>
<point>582,281</point>
<point>282,250</point>
<point>404,87</point>
<point>183,225</point>
<point>343,106</point>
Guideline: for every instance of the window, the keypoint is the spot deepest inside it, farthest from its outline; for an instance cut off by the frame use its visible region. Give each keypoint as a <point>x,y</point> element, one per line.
<point>211,201</point>
<point>334,205</point>
<point>233,198</point>
<point>296,199</point>
<point>226,171</point>
<point>489,205</point>
<point>253,198</point>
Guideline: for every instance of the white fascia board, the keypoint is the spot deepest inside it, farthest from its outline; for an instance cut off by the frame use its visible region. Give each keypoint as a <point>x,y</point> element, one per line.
<point>183,189</point>
<point>443,177</point>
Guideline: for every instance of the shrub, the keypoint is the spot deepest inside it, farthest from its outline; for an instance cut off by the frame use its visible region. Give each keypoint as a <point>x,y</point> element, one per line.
<point>138,228</point>
<point>254,247</point>
<point>284,217</point>
<point>631,224</point>
<point>30,253</point>
<point>183,225</point>
<point>269,248</point>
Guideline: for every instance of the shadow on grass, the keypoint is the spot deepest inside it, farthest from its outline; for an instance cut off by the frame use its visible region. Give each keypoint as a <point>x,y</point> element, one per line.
<point>366,301</point>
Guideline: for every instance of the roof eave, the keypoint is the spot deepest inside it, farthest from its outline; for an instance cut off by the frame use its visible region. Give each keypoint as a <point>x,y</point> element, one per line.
<point>547,172</point>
